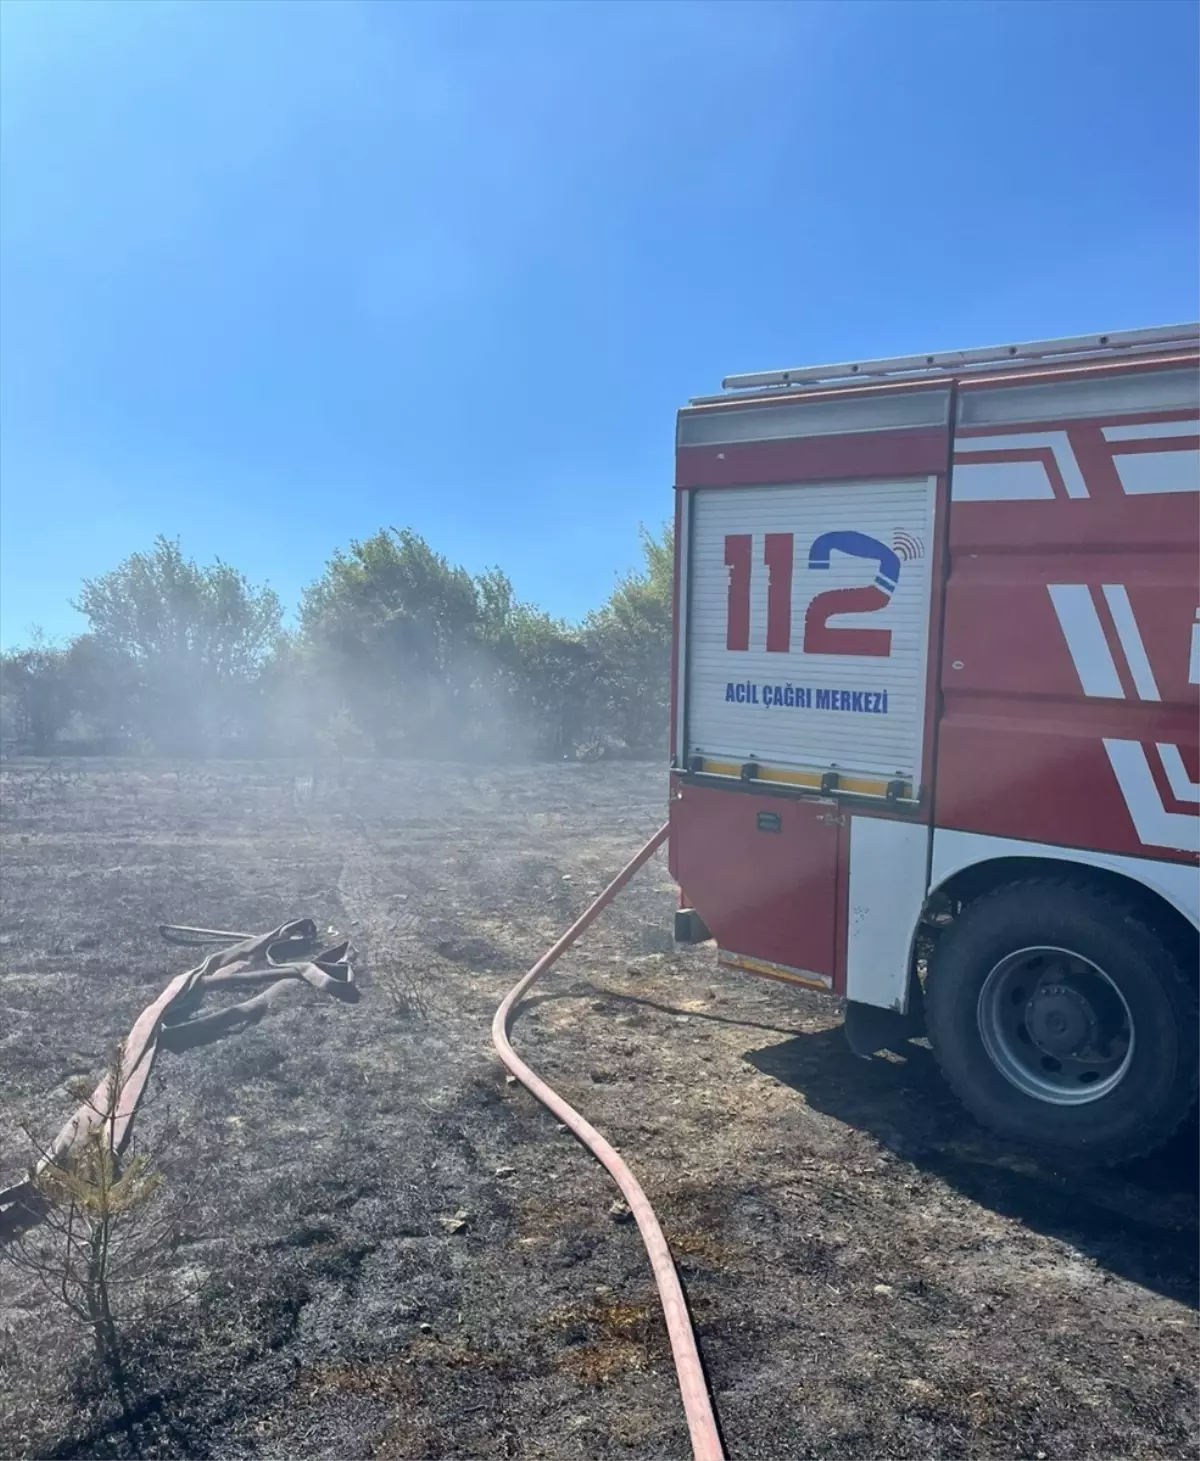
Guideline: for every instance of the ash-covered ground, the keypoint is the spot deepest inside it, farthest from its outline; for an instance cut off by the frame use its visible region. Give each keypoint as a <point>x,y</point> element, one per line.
<point>386,1250</point>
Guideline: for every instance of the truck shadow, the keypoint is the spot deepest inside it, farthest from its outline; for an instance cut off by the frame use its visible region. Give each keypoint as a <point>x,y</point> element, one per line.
<point>1138,1222</point>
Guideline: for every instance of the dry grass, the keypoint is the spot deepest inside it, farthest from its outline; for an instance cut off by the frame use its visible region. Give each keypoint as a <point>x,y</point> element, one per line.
<point>608,1337</point>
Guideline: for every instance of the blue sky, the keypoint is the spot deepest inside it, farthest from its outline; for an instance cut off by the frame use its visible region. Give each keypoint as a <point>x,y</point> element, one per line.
<point>276,275</point>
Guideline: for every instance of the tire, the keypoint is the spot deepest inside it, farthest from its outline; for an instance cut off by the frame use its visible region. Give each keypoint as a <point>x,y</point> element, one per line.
<point>1062,1020</point>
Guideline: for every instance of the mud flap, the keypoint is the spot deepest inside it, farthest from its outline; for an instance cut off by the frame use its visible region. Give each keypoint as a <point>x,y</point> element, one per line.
<point>870,1029</point>
<point>689,927</point>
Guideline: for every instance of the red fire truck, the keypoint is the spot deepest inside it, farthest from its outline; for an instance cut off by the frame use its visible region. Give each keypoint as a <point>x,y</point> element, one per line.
<point>934,714</point>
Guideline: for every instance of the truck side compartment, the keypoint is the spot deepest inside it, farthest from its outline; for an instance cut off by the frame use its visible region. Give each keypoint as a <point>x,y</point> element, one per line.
<point>937,656</point>
<point>808,617</point>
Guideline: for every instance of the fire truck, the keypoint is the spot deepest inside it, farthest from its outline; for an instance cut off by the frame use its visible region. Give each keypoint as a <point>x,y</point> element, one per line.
<point>934,715</point>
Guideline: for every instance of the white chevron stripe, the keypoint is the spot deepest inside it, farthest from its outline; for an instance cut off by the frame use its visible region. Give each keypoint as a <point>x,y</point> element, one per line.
<point>1057,442</point>
<point>1150,430</point>
<point>1000,482</point>
<point>1194,657</point>
<point>1131,641</point>
<point>1182,785</point>
<point>1094,663</point>
<point>1151,472</point>
<point>1155,826</point>
<point>1097,671</point>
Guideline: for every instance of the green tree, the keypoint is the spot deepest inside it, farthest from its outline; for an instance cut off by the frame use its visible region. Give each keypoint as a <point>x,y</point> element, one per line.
<point>105,694</point>
<point>398,651</point>
<point>197,639</point>
<point>35,694</point>
<point>536,668</point>
<point>393,624</point>
<point>428,659</point>
<point>630,640</point>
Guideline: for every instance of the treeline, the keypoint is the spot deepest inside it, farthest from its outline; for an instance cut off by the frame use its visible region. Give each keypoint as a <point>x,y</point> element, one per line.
<point>397,652</point>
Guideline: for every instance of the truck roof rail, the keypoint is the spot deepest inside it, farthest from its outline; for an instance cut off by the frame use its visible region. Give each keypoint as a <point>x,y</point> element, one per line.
<point>943,362</point>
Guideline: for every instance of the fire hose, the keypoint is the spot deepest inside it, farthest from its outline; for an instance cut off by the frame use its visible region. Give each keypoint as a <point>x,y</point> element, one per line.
<point>282,959</point>
<point>693,1389</point>
<point>286,955</point>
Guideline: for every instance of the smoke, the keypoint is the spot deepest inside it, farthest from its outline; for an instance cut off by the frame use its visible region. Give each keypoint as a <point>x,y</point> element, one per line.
<point>399,654</point>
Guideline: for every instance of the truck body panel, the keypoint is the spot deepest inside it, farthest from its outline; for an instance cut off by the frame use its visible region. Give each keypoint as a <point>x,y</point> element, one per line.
<point>780,910</point>
<point>1067,713</point>
<point>1011,560</point>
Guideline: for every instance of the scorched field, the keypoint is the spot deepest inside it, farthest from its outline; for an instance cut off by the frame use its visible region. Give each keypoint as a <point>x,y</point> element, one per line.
<point>381,1248</point>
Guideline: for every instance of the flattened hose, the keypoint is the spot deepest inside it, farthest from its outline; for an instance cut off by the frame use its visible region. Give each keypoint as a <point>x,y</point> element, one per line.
<point>702,1423</point>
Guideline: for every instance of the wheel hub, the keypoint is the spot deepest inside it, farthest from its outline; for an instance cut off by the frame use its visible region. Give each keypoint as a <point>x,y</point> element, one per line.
<point>1055,1025</point>
<point>1060,1020</point>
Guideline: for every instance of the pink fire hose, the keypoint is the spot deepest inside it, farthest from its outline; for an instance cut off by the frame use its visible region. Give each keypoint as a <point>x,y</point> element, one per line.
<point>702,1423</point>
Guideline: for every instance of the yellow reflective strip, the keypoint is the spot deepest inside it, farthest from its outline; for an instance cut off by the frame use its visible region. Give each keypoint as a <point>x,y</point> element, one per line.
<point>857,785</point>
<point>765,773</point>
<point>773,971</point>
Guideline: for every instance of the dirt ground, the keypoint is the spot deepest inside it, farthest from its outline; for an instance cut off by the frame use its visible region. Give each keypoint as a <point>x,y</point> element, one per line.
<point>389,1251</point>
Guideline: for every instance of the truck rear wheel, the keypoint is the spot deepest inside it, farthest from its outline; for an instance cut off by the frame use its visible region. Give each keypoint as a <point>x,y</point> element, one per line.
<point>1062,1020</point>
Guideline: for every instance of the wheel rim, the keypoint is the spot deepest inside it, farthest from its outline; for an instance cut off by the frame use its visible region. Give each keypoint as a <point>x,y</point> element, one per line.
<point>1055,1026</point>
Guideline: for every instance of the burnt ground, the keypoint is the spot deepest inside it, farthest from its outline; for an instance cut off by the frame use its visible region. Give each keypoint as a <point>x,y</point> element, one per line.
<point>871,1275</point>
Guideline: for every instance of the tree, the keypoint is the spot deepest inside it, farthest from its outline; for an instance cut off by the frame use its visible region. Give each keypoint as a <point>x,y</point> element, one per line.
<point>396,626</point>
<point>428,659</point>
<point>538,670</point>
<point>197,638</point>
<point>630,638</point>
<point>35,694</point>
<point>84,696</point>
<point>398,651</point>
